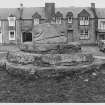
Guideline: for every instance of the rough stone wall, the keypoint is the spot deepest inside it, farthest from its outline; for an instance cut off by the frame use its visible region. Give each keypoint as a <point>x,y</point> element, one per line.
<point>76,32</point>
<point>51,59</point>
<point>27,23</point>
<point>18,32</point>
<point>5,32</point>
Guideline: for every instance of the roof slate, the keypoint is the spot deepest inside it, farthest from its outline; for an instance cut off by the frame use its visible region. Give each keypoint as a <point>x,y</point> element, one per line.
<point>6,12</point>
<point>100,12</point>
<point>28,12</point>
<point>75,11</point>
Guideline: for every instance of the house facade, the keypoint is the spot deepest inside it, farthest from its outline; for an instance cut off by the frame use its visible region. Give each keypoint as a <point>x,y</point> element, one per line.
<point>101,23</point>
<point>82,24</point>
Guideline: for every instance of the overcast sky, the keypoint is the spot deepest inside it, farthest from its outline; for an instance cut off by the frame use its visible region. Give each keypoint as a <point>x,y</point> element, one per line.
<point>59,3</point>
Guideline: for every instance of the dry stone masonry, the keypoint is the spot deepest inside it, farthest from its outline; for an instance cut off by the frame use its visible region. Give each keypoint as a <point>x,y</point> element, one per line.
<point>52,57</point>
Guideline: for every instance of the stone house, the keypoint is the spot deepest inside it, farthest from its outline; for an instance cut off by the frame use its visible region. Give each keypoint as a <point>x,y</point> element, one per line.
<point>101,23</point>
<point>77,23</point>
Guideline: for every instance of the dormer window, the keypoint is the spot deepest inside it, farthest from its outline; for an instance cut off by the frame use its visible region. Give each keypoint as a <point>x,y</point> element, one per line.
<point>84,20</point>
<point>36,18</point>
<point>58,17</point>
<point>11,34</point>
<point>36,21</point>
<point>11,20</point>
<point>69,20</point>
<point>58,20</point>
<point>69,17</point>
<point>83,17</point>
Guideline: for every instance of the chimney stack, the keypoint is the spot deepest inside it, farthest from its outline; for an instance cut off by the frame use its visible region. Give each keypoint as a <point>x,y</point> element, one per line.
<point>21,10</point>
<point>49,10</point>
<point>21,5</point>
<point>93,5</point>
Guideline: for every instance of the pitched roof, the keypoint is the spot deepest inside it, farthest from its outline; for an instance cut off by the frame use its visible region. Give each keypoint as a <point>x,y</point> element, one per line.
<point>28,12</point>
<point>6,12</point>
<point>100,12</point>
<point>11,15</point>
<point>75,11</point>
<point>69,14</point>
<point>36,15</point>
<point>58,14</point>
<point>83,13</point>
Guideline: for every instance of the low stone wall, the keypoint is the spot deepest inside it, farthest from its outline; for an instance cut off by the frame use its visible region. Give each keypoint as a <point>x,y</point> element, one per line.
<point>48,59</point>
<point>46,65</point>
<point>40,72</point>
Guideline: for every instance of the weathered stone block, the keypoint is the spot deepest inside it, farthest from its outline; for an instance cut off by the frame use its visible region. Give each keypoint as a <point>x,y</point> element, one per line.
<point>20,58</point>
<point>34,71</point>
<point>48,59</point>
<point>3,55</point>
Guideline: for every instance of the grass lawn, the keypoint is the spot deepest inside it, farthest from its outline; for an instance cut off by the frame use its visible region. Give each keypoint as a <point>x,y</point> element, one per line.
<point>86,87</point>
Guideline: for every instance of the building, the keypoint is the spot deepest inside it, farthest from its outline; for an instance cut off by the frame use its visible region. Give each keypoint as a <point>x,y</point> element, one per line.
<point>83,24</point>
<point>101,23</point>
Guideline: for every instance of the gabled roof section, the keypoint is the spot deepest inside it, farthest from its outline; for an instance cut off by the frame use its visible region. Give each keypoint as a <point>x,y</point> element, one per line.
<point>11,15</point>
<point>28,12</point>
<point>36,15</point>
<point>74,10</point>
<point>69,14</point>
<point>59,14</point>
<point>83,13</point>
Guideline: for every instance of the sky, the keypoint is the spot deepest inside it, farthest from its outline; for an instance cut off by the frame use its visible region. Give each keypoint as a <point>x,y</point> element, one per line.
<point>59,3</point>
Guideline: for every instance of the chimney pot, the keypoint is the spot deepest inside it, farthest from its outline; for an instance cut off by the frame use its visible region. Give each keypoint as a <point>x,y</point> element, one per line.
<point>21,5</point>
<point>93,5</point>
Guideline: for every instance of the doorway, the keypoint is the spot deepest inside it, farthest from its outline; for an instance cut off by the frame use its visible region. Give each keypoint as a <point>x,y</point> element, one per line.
<point>70,35</point>
<point>27,36</point>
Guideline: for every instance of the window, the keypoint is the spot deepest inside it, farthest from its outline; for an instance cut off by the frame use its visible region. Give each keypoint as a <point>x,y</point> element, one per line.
<point>11,21</point>
<point>58,20</point>
<point>102,25</point>
<point>36,21</point>
<point>12,35</point>
<point>84,34</point>
<point>27,36</point>
<point>70,19</point>
<point>84,20</point>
